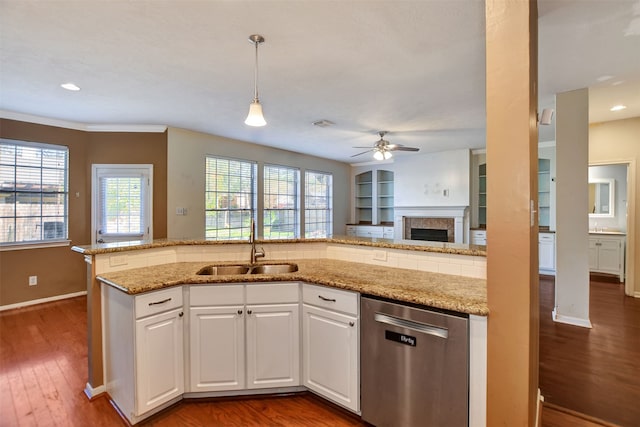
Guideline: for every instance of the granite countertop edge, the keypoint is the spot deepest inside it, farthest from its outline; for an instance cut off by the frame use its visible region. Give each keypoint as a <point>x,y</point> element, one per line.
<point>442,291</point>
<point>436,247</point>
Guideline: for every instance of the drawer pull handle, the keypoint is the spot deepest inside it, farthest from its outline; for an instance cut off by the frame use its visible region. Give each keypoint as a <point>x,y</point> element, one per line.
<point>326,299</point>
<point>159,302</point>
<point>249,312</point>
<point>239,311</point>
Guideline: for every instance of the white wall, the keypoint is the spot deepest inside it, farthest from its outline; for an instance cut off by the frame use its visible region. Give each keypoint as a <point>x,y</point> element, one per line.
<point>619,174</point>
<point>572,225</point>
<point>186,180</point>
<point>422,179</point>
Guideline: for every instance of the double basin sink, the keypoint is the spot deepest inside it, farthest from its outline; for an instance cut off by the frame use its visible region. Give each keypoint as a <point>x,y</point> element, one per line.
<point>225,269</point>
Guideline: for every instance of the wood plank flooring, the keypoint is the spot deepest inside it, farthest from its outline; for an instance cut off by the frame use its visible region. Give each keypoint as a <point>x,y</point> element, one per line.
<point>593,371</point>
<point>43,363</point>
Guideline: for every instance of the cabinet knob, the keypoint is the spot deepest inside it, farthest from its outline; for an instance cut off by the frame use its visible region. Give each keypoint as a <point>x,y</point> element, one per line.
<point>352,323</point>
<point>239,311</point>
<point>181,314</point>
<point>249,312</point>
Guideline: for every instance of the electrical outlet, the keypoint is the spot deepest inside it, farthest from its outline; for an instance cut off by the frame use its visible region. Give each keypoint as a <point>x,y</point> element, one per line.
<point>33,280</point>
<point>380,255</point>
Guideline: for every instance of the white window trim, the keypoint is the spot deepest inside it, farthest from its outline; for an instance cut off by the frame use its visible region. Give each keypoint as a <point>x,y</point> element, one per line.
<point>37,244</point>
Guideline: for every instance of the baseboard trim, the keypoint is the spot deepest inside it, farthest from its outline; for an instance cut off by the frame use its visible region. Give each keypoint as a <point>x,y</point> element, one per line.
<point>579,415</point>
<point>92,393</point>
<point>569,320</point>
<point>41,301</point>
<point>636,294</point>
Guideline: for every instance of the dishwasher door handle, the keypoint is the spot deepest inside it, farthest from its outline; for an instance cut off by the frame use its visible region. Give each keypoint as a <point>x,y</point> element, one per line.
<point>414,326</point>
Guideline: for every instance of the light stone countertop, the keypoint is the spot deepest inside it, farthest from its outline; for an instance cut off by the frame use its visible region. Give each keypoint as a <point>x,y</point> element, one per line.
<point>449,292</point>
<point>607,232</point>
<point>411,245</point>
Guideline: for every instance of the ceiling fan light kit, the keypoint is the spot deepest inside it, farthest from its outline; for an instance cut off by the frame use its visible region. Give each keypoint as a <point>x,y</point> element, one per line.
<point>255,117</point>
<point>382,149</point>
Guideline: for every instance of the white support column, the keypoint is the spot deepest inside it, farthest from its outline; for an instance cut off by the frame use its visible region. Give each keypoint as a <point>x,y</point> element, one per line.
<point>572,220</point>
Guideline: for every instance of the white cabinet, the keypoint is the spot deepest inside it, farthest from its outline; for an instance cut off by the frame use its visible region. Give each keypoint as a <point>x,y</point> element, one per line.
<point>159,359</point>
<point>547,253</point>
<point>273,345</point>
<point>330,344</point>
<point>373,231</point>
<point>143,349</point>
<point>606,254</point>
<point>217,348</point>
<point>244,336</point>
<point>478,237</point>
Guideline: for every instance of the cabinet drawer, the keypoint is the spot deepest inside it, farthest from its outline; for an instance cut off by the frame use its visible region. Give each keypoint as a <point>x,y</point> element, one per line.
<point>546,237</point>
<point>208,295</point>
<point>272,293</point>
<point>330,298</point>
<point>479,234</point>
<point>158,301</point>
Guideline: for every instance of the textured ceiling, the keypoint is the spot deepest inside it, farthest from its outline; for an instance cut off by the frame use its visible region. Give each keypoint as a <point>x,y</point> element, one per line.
<point>414,68</point>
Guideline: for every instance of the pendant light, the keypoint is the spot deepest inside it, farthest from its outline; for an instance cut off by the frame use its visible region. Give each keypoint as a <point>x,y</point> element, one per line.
<point>255,117</point>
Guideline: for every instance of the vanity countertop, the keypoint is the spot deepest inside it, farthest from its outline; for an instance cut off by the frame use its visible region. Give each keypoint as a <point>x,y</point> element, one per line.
<point>449,292</point>
<point>607,232</point>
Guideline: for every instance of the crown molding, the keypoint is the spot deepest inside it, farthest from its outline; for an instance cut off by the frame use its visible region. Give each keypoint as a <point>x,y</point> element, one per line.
<point>86,127</point>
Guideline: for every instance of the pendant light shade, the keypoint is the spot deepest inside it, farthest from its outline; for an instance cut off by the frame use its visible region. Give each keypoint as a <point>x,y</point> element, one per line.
<point>255,117</point>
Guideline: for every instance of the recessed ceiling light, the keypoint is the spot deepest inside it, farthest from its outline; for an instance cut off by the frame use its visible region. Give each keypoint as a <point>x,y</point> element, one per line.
<point>618,107</point>
<point>604,78</point>
<point>70,86</point>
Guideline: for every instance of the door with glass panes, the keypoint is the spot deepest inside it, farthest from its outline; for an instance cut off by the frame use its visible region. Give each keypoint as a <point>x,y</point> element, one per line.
<point>121,203</point>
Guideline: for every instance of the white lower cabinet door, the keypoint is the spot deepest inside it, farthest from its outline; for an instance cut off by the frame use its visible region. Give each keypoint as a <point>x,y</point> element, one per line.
<point>273,346</point>
<point>159,359</point>
<point>217,348</point>
<point>609,256</point>
<point>330,355</point>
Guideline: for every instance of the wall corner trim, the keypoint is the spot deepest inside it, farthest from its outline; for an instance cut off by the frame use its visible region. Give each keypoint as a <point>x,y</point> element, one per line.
<point>92,392</point>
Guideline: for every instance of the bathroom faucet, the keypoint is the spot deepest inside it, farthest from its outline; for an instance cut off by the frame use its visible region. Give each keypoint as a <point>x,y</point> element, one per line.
<point>255,253</point>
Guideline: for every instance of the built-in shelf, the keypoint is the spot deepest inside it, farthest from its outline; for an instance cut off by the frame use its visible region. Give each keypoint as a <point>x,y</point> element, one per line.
<point>482,195</point>
<point>544,192</point>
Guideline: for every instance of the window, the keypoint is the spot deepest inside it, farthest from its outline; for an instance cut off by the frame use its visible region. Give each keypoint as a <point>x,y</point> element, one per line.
<point>281,203</point>
<point>33,192</point>
<point>230,198</point>
<point>318,204</point>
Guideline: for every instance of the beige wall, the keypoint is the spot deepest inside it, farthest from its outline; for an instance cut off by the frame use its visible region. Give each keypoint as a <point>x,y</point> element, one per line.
<point>619,141</point>
<point>61,271</point>
<point>512,240</point>
<point>187,151</point>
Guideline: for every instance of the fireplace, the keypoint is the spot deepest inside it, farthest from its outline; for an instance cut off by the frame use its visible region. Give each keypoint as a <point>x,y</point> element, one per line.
<point>429,234</point>
<point>439,219</point>
<point>432,229</point>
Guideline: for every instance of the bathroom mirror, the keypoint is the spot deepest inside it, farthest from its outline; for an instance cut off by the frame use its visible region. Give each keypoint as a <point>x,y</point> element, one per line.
<point>601,198</point>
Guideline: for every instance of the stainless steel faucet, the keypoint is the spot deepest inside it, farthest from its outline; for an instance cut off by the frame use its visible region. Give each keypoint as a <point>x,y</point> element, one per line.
<point>255,253</point>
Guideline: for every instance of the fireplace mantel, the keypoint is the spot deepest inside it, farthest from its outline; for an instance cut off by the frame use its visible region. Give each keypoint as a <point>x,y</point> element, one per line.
<point>458,213</point>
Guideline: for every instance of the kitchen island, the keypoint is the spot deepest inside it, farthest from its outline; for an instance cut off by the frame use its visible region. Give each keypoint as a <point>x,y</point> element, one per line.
<point>441,276</point>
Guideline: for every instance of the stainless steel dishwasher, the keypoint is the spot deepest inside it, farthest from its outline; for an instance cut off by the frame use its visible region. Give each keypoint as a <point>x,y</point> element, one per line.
<point>414,366</point>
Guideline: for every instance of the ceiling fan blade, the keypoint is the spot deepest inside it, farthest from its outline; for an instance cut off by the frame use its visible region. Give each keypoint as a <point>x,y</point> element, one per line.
<point>362,153</point>
<point>402,148</point>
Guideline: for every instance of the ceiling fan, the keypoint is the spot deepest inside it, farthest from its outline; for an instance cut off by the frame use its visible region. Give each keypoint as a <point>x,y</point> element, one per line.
<point>382,149</point>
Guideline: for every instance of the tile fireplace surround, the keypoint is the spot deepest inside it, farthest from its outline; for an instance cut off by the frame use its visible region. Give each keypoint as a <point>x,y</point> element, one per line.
<point>450,218</point>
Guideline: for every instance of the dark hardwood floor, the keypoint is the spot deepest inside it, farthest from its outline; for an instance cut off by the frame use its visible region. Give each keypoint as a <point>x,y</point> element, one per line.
<point>593,371</point>
<point>43,363</point>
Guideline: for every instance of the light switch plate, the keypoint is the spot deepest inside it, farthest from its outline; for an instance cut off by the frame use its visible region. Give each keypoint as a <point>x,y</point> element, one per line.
<point>380,255</point>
